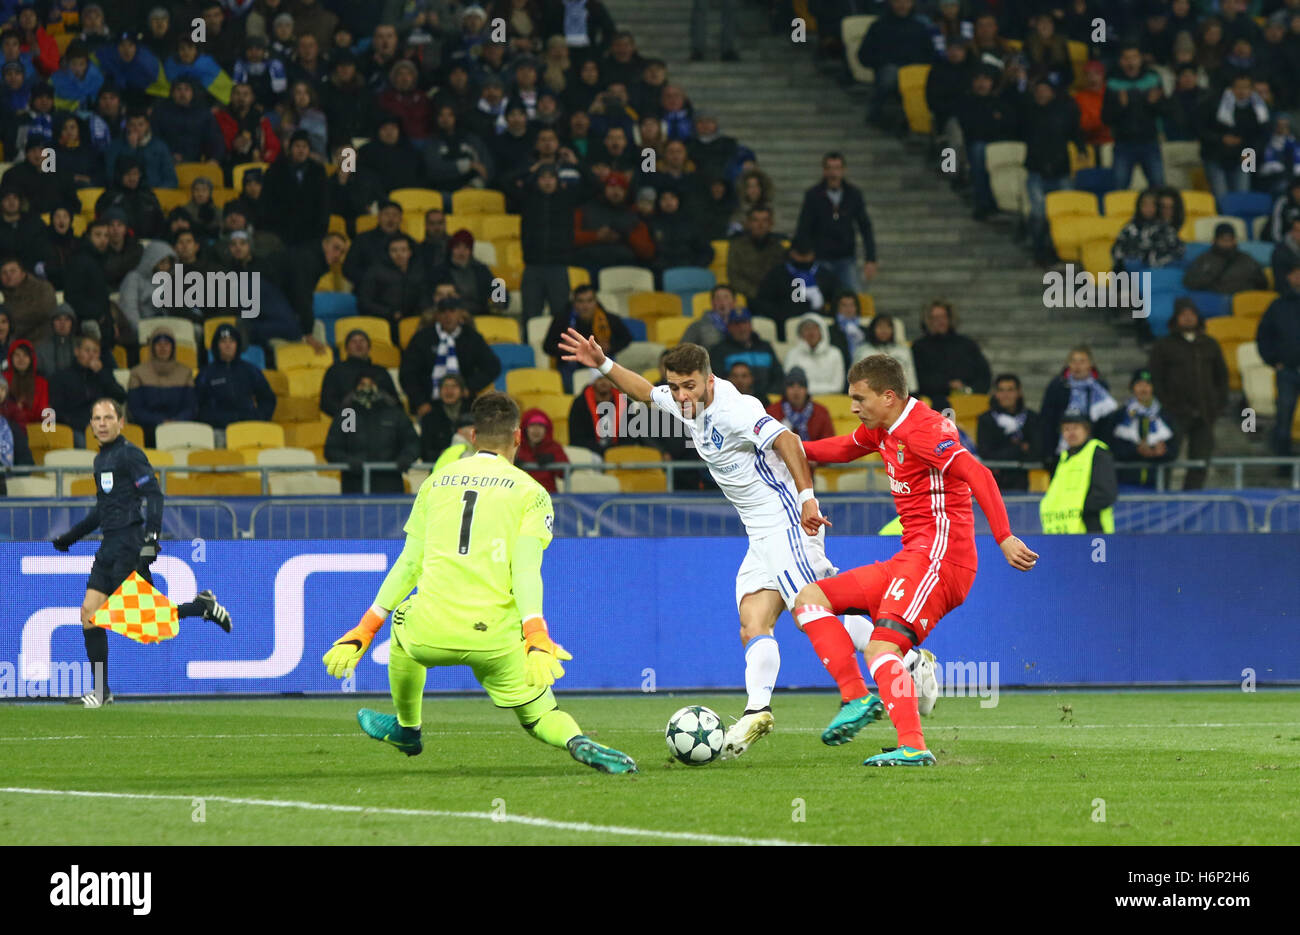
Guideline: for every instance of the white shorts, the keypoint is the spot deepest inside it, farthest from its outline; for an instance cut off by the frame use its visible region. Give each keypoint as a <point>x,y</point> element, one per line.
<point>784,562</point>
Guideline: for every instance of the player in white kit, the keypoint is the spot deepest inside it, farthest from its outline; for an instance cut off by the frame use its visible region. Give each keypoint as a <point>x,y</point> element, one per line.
<point>760,465</point>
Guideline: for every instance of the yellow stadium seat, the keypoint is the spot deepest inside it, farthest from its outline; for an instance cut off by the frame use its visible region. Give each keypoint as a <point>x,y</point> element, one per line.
<point>638,480</point>
<point>170,198</point>
<point>967,409</point>
<point>385,355</point>
<point>1095,256</point>
<point>911,86</point>
<point>1069,234</point>
<point>221,196</point>
<point>407,327</point>
<point>477,201</point>
<point>513,255</point>
<point>132,433</point>
<point>184,353</point>
<point>1252,303</point>
<point>338,225</point>
<point>39,439</point>
<point>1039,480</point>
<point>237,173</point>
<point>291,409</point>
<point>1121,204</point>
<point>294,356</point>
<point>1231,328</point>
<point>669,331</point>
<point>470,222</point>
<point>278,381</point>
<point>254,434</point>
<point>1065,203</point>
<point>88,197</point>
<point>496,329</point>
<point>417,199</point>
<point>578,277</point>
<point>648,306</point>
<point>305,382</point>
<point>555,405</point>
<point>528,380</point>
<point>846,426</point>
<point>703,301</point>
<point>500,227</point>
<point>377,329</point>
<point>651,374</point>
<point>187,172</point>
<point>838,405</point>
<point>366,222</point>
<point>1198,204</point>
<point>215,457</point>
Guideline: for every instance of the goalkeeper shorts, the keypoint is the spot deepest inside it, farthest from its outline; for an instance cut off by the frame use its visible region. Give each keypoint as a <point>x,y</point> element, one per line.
<point>501,672</point>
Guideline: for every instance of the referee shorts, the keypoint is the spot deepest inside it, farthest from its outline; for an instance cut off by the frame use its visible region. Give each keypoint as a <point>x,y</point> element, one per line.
<point>118,556</point>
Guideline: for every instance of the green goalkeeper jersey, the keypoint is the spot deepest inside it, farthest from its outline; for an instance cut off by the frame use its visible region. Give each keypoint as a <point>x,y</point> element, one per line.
<point>466,521</point>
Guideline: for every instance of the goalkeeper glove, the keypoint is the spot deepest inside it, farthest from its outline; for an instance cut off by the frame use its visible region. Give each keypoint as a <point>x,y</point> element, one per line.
<point>343,656</point>
<point>542,663</point>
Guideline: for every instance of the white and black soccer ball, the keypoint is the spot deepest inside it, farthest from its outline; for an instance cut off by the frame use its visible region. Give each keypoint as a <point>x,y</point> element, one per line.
<point>695,735</point>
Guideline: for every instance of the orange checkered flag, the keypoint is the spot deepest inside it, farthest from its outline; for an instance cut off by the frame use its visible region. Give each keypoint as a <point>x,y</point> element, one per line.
<point>139,611</point>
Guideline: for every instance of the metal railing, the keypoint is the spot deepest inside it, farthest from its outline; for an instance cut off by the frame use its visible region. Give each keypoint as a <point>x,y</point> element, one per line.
<point>1282,514</point>
<point>343,517</point>
<point>34,519</point>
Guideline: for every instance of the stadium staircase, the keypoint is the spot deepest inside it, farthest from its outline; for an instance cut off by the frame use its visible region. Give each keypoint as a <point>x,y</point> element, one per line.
<point>779,103</point>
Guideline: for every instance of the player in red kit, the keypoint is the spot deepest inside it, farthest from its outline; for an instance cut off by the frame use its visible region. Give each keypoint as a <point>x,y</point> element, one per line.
<point>932,477</point>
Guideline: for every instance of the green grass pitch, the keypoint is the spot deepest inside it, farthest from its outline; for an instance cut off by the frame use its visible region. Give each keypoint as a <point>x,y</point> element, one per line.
<point>1172,767</point>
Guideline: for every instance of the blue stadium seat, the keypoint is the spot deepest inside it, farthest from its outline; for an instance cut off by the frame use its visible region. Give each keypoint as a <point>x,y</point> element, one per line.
<point>1192,251</point>
<point>685,281</point>
<point>512,357</point>
<point>1161,312</point>
<point>1211,304</point>
<point>637,328</point>
<point>255,356</point>
<point>1097,181</point>
<point>1259,250</point>
<point>1246,205</point>
<point>1166,279</point>
<point>328,307</point>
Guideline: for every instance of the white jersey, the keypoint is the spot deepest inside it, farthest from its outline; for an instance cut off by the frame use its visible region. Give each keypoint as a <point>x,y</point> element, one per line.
<point>734,437</point>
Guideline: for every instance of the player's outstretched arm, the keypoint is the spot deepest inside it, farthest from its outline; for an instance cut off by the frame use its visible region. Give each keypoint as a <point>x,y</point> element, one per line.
<point>837,449</point>
<point>788,446</point>
<point>542,663</point>
<point>588,353</point>
<point>985,488</point>
<point>89,523</point>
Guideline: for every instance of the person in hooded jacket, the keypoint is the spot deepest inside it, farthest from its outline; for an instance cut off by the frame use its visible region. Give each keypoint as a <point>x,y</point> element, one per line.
<point>814,354</point>
<point>472,278</point>
<point>797,411</point>
<point>29,392</point>
<point>775,298</point>
<point>161,389</point>
<point>1078,386</point>
<point>947,362</point>
<point>14,449</point>
<point>73,391</point>
<point>449,344</point>
<point>58,351</point>
<point>230,389</point>
<point>144,215</point>
<point>21,232</point>
<point>187,126</point>
<point>377,430</point>
<point>539,446</point>
<point>136,297</point>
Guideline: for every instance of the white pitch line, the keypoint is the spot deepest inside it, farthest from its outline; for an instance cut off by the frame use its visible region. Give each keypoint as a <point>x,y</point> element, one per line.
<point>580,826</point>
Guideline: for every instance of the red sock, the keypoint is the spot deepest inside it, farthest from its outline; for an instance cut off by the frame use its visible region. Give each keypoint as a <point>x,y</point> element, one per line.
<point>834,647</point>
<point>898,692</point>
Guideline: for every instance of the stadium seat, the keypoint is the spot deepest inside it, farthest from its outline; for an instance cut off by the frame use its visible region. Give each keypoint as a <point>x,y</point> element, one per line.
<point>578,277</point>
<point>555,405</point>
<point>305,382</point>
<point>703,301</point>
<point>1246,205</point>
<point>211,325</point>
<point>846,425</point>
<point>1258,380</point>
<point>159,457</point>
<point>379,331</point>
<point>640,355</point>
<point>1258,250</point>
<point>1098,181</point>
<point>407,327</point>
<point>1203,227</point>
<point>533,380</point>
<point>1095,257</point>
<point>853,30</point>
<point>181,328</point>
<point>1070,234</point>
<point>764,327</point>
<point>254,434</point>
<point>296,356</point>
<point>1199,204</point>
<point>637,329</point>
<point>512,357</point>
<point>593,482</point>
<point>1067,203</point>
<point>535,333</point>
<point>329,307</point>
<point>501,227</point>
<point>838,405</point>
<point>1252,303</point>
<point>649,306</point>
<point>477,201</point>
<point>496,329</point>
<point>286,456</point>
<point>579,455</point>
<point>1258,226</point>
<point>417,199</point>
<point>291,483</point>
<point>1005,162</point>
<point>39,440</point>
<point>187,172</point>
<point>170,199</point>
<point>911,87</point>
<point>20,486</point>
<point>88,196</point>
<point>668,331</point>
<point>1232,332</point>
<point>221,196</point>
<point>132,433</point>
<point>306,434</point>
<point>689,279</point>
<point>70,457</point>
<point>237,173</point>
<point>1181,159</point>
<point>651,374</point>
<point>184,435</point>
<point>123,377</point>
<point>639,480</point>
<point>721,249</point>
<point>626,279</point>
<point>1120,204</point>
<point>486,253</point>
<point>967,408</point>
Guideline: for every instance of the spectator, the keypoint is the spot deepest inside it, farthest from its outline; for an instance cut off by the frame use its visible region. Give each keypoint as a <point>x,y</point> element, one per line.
<point>607,233</point>
<point>344,374</point>
<point>29,392</point>
<point>14,449</point>
<point>302,269</point>
<point>1171,210</point>
<point>1279,163</point>
<point>129,194</point>
<point>1134,100</point>
<point>587,316</point>
<point>598,416</point>
<point>1223,268</point>
<point>472,278</point>
<point>741,343</point>
<point>136,296</point>
<point>72,269</point>
<point>896,39</point>
<point>1078,387</point>
<point>371,247</point>
<point>848,331</point>
<point>1050,121</point>
<point>161,389</point>
<point>1236,120</point>
<point>754,254</point>
<point>539,446</point>
<point>454,158</point>
<point>797,411</point>
<point>187,126</point>
<point>754,190</point>
<point>159,37</point>
<point>882,338</point>
<point>675,110</point>
<point>1278,341</point>
<point>301,111</point>
<point>1286,254</point>
<point>73,391</point>
<point>949,79</point>
<point>833,212</point>
<point>1090,99</point>
<point>6,337</point>
<point>582,86</point>
<point>371,427</point>
<point>404,99</point>
<point>389,159</point>
<point>296,205</point>
<point>230,389</point>
<point>711,327</point>
<point>815,355</point>
<point>1084,488</point>
<point>677,236</point>
<point>29,301</point>
<point>395,287</point>
<point>547,235</point>
<point>446,346</point>
<point>345,100</point>
<point>1180,115</point>
<point>1142,433</point>
<point>801,284</point>
<point>75,157</point>
<point>250,202</point>
<point>1146,240</point>
<point>266,76</point>
<point>187,62</point>
<point>445,418</point>
<point>715,155</point>
<point>1048,54</point>
<point>130,67</point>
<point>985,118</point>
<point>94,30</point>
<point>513,146</point>
<point>432,250</point>
<point>122,250</point>
<point>586,26</point>
<point>1009,431</point>
<point>22,235</point>
<point>58,352</point>
<point>43,190</point>
<point>204,214</point>
<point>947,362</point>
<point>741,376</point>
<point>153,157</point>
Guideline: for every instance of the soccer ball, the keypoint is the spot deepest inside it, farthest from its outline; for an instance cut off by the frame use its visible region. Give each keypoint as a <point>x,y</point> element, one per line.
<point>695,735</point>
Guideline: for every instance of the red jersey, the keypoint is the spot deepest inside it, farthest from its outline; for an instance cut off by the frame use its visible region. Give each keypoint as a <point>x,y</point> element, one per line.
<point>932,476</point>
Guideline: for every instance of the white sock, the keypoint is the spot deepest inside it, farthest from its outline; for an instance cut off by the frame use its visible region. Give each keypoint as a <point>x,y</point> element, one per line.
<point>859,630</point>
<point>762,662</point>
<point>910,659</point>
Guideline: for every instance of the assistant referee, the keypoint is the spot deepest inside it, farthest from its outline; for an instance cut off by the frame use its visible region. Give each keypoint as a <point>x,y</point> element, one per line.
<point>128,507</point>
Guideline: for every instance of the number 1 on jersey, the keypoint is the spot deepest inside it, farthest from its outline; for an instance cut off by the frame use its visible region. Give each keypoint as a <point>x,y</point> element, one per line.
<point>467,519</point>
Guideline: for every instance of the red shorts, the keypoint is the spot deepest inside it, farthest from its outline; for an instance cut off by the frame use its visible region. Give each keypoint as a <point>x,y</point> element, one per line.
<point>908,587</point>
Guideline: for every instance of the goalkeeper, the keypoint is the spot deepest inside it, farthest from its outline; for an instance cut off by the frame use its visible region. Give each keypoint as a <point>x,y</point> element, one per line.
<point>474,544</point>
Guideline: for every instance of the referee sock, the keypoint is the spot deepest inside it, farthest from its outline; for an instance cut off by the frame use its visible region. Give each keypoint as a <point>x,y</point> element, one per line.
<point>834,647</point>
<point>898,692</point>
<point>762,663</point>
<point>97,652</point>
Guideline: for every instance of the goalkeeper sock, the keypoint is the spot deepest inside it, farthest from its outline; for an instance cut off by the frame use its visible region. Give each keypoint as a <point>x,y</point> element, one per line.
<point>834,648</point>
<point>762,662</point>
<point>97,652</point>
<point>555,728</point>
<point>898,692</point>
<point>406,679</point>
<point>859,628</point>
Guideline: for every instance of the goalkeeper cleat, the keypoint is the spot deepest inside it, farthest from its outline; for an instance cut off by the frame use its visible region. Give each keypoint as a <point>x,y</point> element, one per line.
<point>384,727</point>
<point>851,718</point>
<point>605,759</point>
<point>901,756</point>
<point>214,611</point>
<point>927,682</point>
<point>751,727</point>
<point>93,700</point>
